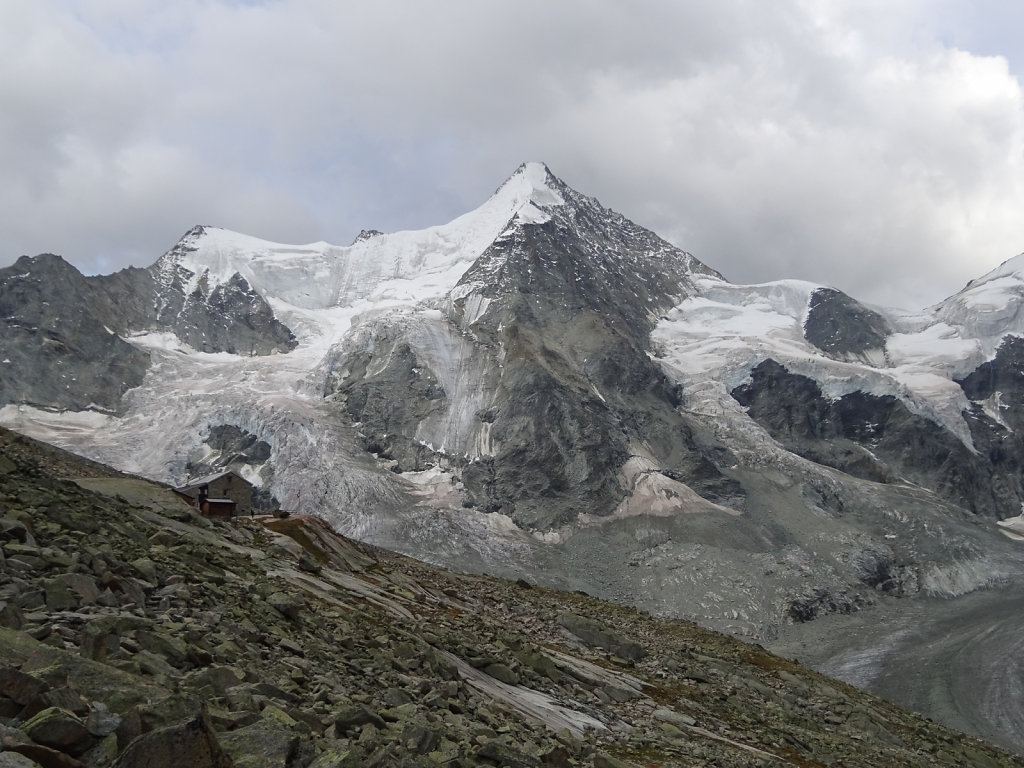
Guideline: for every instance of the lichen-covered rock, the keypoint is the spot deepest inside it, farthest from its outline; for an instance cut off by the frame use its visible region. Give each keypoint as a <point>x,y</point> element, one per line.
<point>57,728</point>
<point>10,614</point>
<point>19,687</point>
<point>16,760</point>
<point>83,586</point>
<point>353,716</point>
<point>191,743</point>
<point>265,745</point>
<point>59,596</point>
<point>287,605</point>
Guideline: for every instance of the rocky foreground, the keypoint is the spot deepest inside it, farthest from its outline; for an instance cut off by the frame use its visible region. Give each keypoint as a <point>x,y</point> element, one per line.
<point>135,633</point>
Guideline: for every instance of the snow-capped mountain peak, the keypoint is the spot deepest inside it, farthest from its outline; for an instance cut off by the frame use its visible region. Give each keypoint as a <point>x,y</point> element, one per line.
<point>537,188</point>
<point>407,265</point>
<point>1012,267</point>
<point>990,306</point>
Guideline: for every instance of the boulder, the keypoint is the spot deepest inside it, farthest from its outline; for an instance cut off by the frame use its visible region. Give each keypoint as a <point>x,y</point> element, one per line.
<point>497,753</point>
<point>59,596</point>
<point>16,760</point>
<point>264,744</point>
<point>355,715</point>
<point>146,568</point>
<point>101,721</point>
<point>59,729</point>
<point>38,756</point>
<point>595,634</point>
<point>19,686</point>
<point>11,615</point>
<point>288,605</point>
<point>84,587</point>
<point>192,743</point>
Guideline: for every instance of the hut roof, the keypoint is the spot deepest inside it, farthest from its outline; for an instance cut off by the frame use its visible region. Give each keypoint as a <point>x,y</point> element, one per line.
<point>194,484</point>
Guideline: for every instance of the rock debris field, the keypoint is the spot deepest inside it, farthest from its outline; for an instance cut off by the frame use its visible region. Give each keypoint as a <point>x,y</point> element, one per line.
<point>134,632</point>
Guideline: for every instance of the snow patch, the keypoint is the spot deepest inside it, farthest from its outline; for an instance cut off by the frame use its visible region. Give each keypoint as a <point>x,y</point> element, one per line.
<point>1013,527</point>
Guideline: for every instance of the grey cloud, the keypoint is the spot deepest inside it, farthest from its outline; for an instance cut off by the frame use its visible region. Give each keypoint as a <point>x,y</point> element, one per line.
<point>792,139</point>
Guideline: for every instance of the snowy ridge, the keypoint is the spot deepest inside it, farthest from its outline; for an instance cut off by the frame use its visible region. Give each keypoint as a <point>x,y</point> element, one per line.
<point>405,266</point>
<point>989,307</point>
<point>711,341</point>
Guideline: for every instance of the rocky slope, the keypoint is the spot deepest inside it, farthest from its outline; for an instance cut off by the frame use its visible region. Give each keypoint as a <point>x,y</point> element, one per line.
<point>135,633</point>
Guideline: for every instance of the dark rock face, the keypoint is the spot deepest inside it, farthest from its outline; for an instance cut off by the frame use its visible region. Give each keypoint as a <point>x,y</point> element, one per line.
<point>996,420</point>
<point>237,446</point>
<point>232,449</point>
<point>126,298</point>
<point>877,438</point>
<point>230,317</point>
<point>62,330</point>
<point>366,234</point>
<point>1004,374</point>
<point>570,319</point>
<point>59,349</point>
<point>843,328</point>
<point>372,395</point>
<point>561,353</point>
<point>558,453</point>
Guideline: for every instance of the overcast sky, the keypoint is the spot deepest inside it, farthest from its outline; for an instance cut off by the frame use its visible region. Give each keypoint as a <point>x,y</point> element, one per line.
<point>876,146</point>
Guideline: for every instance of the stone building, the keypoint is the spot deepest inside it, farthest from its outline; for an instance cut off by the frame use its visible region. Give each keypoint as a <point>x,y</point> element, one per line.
<point>224,494</point>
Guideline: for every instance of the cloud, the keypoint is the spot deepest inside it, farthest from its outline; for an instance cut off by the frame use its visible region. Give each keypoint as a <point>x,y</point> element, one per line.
<point>830,141</point>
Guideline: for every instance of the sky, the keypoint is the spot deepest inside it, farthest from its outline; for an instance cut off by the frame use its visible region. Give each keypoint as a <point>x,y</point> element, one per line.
<point>875,146</point>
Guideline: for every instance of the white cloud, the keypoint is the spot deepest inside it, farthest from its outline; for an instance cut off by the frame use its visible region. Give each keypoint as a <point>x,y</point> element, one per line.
<point>833,141</point>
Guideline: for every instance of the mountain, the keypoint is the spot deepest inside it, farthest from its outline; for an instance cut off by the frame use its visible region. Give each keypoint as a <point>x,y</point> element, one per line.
<point>136,633</point>
<point>543,389</point>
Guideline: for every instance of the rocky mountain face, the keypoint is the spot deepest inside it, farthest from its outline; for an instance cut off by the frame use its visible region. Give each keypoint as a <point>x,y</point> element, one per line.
<point>542,389</point>
<point>553,322</point>
<point>64,336</point>
<point>879,438</point>
<point>134,632</point>
<point>844,329</point>
<point>865,436</point>
<point>58,348</point>
<point>229,316</point>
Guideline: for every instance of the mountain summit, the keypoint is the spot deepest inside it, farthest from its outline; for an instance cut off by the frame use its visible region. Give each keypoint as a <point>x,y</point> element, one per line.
<point>405,266</point>
<point>542,388</point>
